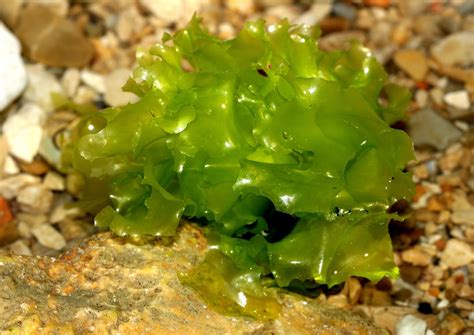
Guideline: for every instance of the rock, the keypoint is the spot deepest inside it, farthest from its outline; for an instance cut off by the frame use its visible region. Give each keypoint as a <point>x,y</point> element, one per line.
<point>37,167</point>
<point>12,69</point>
<point>316,13</point>
<point>458,99</point>
<point>463,216</point>
<point>457,253</point>
<point>23,131</point>
<point>114,95</point>
<point>456,49</point>
<point>413,62</point>
<point>19,247</point>
<point>93,80</point>
<point>242,6</point>
<point>108,284</point>
<point>35,199</point>
<point>172,11</point>
<point>416,256</point>
<point>41,84</point>
<point>428,128</point>
<point>48,236</point>
<point>10,167</point>
<point>9,11</point>
<point>410,325</point>
<point>129,23</point>
<point>54,182</point>
<point>51,39</point>
<point>70,81</point>
<point>341,40</point>
<point>11,186</point>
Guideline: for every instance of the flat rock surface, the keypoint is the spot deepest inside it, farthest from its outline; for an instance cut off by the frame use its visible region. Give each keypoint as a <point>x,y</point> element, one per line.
<point>112,285</point>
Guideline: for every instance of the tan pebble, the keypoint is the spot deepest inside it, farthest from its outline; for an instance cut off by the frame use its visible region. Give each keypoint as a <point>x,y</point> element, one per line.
<point>54,181</point>
<point>416,256</point>
<point>451,324</point>
<point>48,236</point>
<point>413,62</point>
<point>463,216</point>
<point>457,253</point>
<point>352,289</point>
<point>35,199</point>
<point>338,300</point>
<point>20,247</point>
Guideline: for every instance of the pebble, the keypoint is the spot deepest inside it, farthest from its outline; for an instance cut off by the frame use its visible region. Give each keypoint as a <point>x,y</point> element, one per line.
<point>54,181</point>
<point>410,325</point>
<point>463,216</point>
<point>12,70</point>
<point>416,256</point>
<point>413,62</point>
<point>70,81</point>
<point>35,199</point>
<point>316,13</point>
<point>428,128</point>
<point>51,39</point>
<point>9,187</point>
<point>41,84</point>
<point>172,11</point>
<point>456,49</point>
<point>421,98</point>
<point>93,80</point>
<point>19,247</point>
<point>9,11</point>
<point>114,95</point>
<point>23,131</point>
<point>48,236</point>
<point>241,6</point>
<point>10,167</point>
<point>341,40</point>
<point>129,23</point>
<point>457,253</point>
<point>344,10</point>
<point>458,99</point>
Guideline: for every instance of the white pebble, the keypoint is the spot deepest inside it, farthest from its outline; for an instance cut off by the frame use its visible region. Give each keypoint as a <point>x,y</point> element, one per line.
<point>12,69</point>
<point>35,199</point>
<point>410,325</point>
<point>93,80</point>
<point>11,186</point>
<point>458,99</point>
<point>41,84</point>
<point>48,236</point>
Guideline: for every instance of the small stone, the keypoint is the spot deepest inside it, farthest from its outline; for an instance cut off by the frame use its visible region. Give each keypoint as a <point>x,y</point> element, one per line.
<point>12,70</point>
<point>19,247</point>
<point>458,99</point>
<point>70,81</point>
<point>10,167</point>
<point>242,6</point>
<point>341,40</point>
<point>24,229</point>
<point>114,95</point>
<point>464,304</point>
<point>412,8</point>
<point>416,256</point>
<point>8,232</point>
<point>172,11</point>
<point>62,212</point>
<point>428,128</point>
<point>58,7</point>
<point>41,84</point>
<point>413,62</point>
<point>457,253</point>
<point>456,49</point>
<point>84,95</point>
<point>75,229</point>
<point>54,181</point>
<point>316,13</point>
<point>9,11</point>
<point>410,325</point>
<point>463,216</point>
<point>345,10</point>
<point>35,199</point>
<point>51,39</point>
<point>37,167</point>
<point>129,22</point>
<point>48,236</point>
<point>421,98</point>
<point>451,324</point>
<point>410,273</point>
<point>93,80</point>
<point>11,186</point>
<point>23,131</point>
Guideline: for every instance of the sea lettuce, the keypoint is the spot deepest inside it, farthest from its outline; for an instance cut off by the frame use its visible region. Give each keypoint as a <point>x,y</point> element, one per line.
<point>284,152</point>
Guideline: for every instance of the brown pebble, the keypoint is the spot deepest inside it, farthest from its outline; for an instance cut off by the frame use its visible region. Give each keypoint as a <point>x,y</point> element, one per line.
<point>8,232</point>
<point>410,273</point>
<point>452,324</point>
<point>51,39</point>
<point>38,167</point>
<point>412,62</point>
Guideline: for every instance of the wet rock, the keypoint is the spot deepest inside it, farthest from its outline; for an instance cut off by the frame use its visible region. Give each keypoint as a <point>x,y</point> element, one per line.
<point>428,128</point>
<point>456,49</point>
<point>51,39</point>
<point>35,199</point>
<point>41,84</point>
<point>457,253</point>
<point>23,131</point>
<point>107,283</point>
<point>48,236</point>
<point>114,95</point>
<point>12,69</point>
<point>413,62</point>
